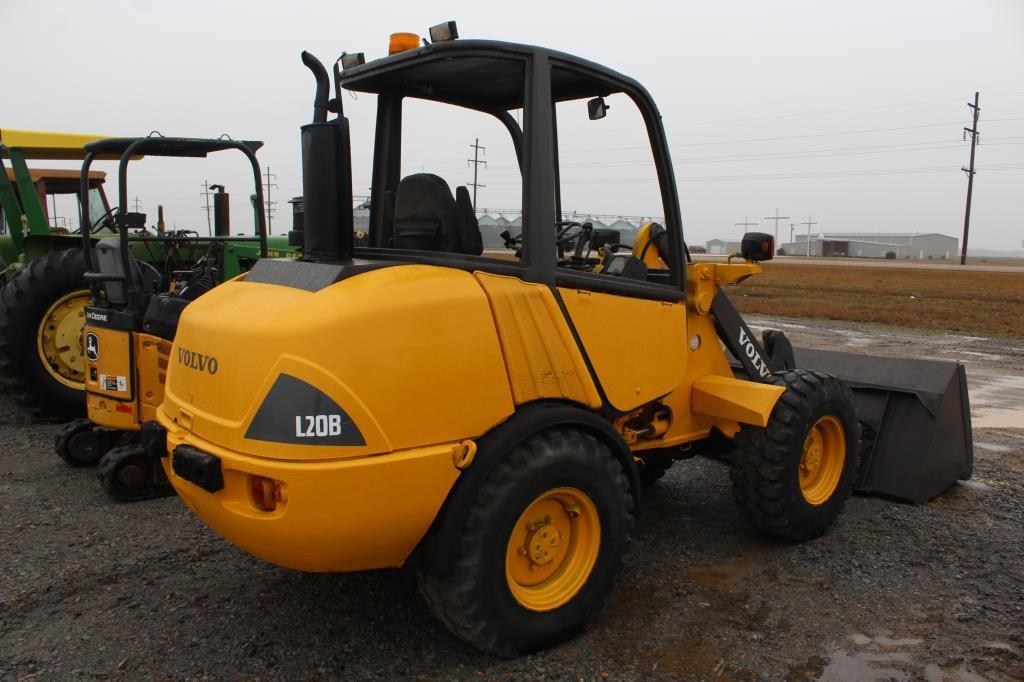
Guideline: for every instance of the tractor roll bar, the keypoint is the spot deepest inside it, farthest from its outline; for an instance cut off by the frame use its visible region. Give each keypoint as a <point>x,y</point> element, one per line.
<point>156,145</point>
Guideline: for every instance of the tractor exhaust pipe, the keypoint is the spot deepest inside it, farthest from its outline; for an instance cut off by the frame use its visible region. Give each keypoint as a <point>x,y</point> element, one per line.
<point>326,177</point>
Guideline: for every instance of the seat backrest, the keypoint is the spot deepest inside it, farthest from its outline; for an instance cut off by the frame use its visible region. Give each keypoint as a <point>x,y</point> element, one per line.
<point>470,240</point>
<point>425,217</point>
<point>107,260</point>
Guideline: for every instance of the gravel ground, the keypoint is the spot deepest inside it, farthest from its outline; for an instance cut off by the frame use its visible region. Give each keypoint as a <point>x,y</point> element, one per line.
<point>89,588</point>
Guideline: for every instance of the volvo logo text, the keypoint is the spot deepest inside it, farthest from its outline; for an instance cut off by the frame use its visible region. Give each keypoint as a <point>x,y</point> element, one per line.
<point>197,361</point>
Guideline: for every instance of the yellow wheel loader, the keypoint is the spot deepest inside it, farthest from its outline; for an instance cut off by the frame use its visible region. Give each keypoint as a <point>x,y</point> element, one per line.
<point>487,421</point>
<point>133,312</point>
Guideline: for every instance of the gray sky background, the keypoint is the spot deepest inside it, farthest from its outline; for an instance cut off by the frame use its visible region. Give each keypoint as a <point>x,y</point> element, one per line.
<point>851,113</point>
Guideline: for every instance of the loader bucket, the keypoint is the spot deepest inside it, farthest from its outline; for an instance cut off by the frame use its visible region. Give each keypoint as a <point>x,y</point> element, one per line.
<point>915,419</point>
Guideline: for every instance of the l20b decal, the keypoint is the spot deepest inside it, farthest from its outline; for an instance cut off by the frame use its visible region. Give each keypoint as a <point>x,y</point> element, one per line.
<point>297,412</point>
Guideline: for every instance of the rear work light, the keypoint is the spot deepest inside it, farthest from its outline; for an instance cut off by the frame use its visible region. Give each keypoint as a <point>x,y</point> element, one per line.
<point>266,493</point>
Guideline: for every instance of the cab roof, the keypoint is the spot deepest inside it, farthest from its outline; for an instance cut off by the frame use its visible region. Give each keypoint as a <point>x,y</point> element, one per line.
<point>480,74</point>
<point>38,144</point>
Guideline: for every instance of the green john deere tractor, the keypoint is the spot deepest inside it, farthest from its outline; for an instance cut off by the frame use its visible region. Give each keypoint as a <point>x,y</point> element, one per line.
<point>44,295</point>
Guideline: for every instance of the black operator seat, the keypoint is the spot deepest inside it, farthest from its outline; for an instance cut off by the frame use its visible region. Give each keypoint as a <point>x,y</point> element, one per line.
<point>428,218</point>
<point>107,257</point>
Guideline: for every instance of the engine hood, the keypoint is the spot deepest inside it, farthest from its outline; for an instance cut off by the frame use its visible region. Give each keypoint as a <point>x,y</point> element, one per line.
<point>397,357</point>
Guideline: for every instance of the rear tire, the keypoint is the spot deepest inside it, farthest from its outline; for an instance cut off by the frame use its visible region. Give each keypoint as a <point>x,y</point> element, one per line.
<point>519,583</point>
<point>792,478</point>
<point>52,390</point>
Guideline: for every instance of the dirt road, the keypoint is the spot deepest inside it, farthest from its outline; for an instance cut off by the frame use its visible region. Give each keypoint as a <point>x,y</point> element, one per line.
<point>89,588</point>
<point>994,266</point>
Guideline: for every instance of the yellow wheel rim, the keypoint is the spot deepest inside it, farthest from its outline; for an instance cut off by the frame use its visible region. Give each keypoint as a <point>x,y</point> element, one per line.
<point>822,460</point>
<point>552,549</point>
<point>59,339</point>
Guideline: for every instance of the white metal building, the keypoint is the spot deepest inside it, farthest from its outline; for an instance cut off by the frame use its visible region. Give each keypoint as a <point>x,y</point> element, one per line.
<point>917,245</point>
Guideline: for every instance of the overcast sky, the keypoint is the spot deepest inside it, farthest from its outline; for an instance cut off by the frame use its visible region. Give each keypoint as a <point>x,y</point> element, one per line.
<point>849,113</point>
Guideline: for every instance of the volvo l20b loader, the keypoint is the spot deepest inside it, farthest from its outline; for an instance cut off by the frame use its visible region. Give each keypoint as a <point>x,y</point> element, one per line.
<point>133,313</point>
<point>485,420</point>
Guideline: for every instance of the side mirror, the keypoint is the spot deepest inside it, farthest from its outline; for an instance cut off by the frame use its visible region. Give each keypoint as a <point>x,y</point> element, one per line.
<point>597,109</point>
<point>757,246</point>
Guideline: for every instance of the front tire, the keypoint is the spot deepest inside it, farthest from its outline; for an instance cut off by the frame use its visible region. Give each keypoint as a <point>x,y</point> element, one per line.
<point>792,478</point>
<point>541,546</point>
<point>42,312</point>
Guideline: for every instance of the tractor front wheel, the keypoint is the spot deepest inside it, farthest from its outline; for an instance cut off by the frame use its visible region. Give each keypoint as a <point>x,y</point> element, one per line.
<point>540,547</point>
<point>42,312</point>
<point>792,478</point>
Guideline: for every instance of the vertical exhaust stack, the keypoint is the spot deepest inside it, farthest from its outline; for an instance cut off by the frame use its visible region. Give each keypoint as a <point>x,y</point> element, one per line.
<point>326,176</point>
<point>221,212</point>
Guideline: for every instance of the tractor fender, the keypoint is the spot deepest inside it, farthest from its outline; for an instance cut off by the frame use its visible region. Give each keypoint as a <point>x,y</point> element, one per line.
<point>435,550</point>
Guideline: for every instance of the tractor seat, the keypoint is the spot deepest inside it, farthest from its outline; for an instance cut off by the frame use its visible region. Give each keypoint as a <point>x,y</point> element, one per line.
<point>107,260</point>
<point>428,218</point>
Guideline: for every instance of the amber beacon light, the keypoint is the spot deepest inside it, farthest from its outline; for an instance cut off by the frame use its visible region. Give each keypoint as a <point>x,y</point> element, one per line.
<point>401,42</point>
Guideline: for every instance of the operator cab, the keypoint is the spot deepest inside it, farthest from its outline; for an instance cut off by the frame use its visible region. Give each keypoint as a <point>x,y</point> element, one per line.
<point>520,129</point>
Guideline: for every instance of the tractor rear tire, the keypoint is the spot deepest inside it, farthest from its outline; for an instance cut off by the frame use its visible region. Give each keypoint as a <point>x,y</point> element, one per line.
<point>52,288</point>
<point>540,547</point>
<point>792,478</point>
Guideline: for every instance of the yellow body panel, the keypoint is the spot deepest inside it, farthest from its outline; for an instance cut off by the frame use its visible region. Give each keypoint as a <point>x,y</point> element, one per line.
<point>647,251</point>
<point>636,346</point>
<point>409,352</point>
<point>37,144</point>
<point>152,355</point>
<point>738,400</point>
<point>541,355</point>
<point>143,369</point>
<point>110,374</point>
<point>346,515</point>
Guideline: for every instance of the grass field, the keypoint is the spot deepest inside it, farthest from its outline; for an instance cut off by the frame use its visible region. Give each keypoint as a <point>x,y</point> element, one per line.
<point>972,302</point>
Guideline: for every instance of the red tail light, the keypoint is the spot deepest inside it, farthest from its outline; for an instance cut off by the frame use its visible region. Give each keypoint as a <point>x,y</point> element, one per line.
<point>266,493</point>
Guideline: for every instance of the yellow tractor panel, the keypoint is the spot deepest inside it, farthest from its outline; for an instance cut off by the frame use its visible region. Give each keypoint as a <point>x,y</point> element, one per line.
<point>704,357</point>
<point>541,355</point>
<point>115,414</point>
<point>636,346</point>
<point>153,355</point>
<point>347,515</point>
<point>108,362</point>
<point>37,144</point>
<point>747,402</point>
<point>452,386</point>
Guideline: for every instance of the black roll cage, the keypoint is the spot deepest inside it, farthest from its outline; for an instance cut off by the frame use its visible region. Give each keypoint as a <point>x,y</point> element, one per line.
<point>536,151</point>
<point>158,145</point>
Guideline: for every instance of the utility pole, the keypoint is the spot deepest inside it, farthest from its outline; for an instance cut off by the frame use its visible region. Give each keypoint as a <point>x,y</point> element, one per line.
<point>973,130</point>
<point>137,205</point>
<point>808,224</point>
<point>476,166</point>
<point>206,193</point>
<point>776,218</point>
<point>266,192</point>
<point>791,233</point>
<point>746,223</point>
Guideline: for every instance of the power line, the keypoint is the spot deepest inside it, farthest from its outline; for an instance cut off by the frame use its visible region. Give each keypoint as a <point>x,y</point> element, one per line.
<point>745,224</point>
<point>206,193</point>
<point>808,224</point>
<point>476,166</point>
<point>776,218</point>
<point>266,193</point>
<point>973,130</point>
